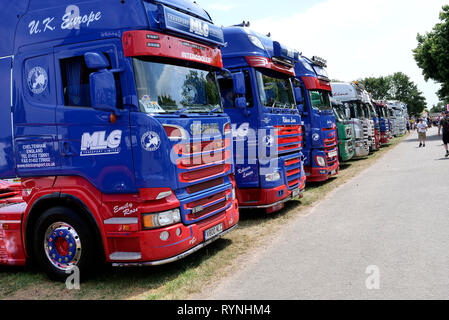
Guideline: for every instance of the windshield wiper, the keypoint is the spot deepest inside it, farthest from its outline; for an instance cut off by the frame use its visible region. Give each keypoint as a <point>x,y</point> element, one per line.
<point>213,110</point>
<point>184,110</point>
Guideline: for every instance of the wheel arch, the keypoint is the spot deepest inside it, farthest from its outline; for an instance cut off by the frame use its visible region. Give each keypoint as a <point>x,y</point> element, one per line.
<point>61,200</point>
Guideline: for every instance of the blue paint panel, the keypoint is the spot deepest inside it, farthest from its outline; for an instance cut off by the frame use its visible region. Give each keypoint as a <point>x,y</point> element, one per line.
<point>34,114</point>
<point>52,20</point>
<point>9,10</point>
<point>6,146</point>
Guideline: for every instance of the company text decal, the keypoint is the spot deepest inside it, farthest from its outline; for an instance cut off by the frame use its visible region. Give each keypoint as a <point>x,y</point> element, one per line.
<point>97,143</point>
<point>72,19</point>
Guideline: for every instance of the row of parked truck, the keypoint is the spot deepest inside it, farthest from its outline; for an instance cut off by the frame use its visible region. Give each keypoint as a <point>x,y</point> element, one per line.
<point>364,124</point>
<point>138,129</point>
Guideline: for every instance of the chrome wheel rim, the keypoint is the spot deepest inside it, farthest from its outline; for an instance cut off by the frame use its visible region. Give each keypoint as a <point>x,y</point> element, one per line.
<point>62,246</point>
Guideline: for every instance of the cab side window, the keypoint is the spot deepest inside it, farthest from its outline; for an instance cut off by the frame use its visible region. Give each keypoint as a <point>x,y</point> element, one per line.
<point>249,90</point>
<point>75,80</point>
<point>227,92</point>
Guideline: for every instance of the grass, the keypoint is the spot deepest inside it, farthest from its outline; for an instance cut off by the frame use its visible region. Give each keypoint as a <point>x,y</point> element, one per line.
<point>188,277</point>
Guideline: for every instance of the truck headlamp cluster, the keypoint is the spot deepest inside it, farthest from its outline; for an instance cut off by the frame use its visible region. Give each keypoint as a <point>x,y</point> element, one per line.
<point>161,219</point>
<point>320,161</point>
<point>272,177</point>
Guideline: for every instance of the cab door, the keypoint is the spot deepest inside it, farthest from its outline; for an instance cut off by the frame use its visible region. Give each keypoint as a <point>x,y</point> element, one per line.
<point>244,124</point>
<point>91,145</point>
<point>7,169</point>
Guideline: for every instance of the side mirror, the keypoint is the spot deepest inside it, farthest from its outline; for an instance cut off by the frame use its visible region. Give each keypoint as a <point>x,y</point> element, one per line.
<point>103,91</point>
<point>298,95</point>
<point>240,103</point>
<point>239,83</point>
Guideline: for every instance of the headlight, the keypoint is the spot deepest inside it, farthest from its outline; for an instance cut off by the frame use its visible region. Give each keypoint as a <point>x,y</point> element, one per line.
<point>273,177</point>
<point>320,161</point>
<point>161,219</point>
<point>256,41</point>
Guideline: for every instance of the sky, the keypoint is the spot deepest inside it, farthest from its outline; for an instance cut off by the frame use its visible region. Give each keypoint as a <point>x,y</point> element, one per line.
<point>358,38</point>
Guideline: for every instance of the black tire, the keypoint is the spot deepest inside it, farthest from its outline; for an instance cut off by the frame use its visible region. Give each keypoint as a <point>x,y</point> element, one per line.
<point>87,254</point>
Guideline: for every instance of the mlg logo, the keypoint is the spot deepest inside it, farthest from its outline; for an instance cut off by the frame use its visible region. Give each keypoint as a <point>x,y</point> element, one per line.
<point>199,28</point>
<point>97,143</point>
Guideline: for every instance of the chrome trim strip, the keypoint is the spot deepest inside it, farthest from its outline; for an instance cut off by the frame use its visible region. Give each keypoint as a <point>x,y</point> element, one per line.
<point>176,258</point>
<point>122,221</point>
<point>10,222</point>
<point>269,205</point>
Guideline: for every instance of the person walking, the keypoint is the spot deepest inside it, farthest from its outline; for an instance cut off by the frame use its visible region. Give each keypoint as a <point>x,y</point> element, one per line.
<point>444,126</point>
<point>422,132</point>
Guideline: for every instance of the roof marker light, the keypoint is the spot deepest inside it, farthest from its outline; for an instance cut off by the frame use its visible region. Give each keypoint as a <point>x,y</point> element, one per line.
<point>319,61</point>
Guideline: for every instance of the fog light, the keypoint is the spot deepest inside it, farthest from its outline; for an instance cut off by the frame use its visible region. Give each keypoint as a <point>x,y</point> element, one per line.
<point>164,236</point>
<point>178,232</point>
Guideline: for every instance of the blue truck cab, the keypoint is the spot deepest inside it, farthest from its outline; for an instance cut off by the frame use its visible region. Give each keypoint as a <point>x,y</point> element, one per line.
<point>265,119</point>
<point>320,129</point>
<point>111,115</point>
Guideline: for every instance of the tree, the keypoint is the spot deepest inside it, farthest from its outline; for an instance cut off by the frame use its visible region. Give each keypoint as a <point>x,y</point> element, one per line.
<point>396,87</point>
<point>378,87</point>
<point>403,89</point>
<point>438,108</point>
<point>432,54</point>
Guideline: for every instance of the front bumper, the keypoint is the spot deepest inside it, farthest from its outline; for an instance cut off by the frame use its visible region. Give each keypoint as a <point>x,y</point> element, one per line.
<point>175,258</point>
<point>146,248</point>
<point>266,198</point>
<point>346,149</point>
<point>361,149</point>
<point>322,174</point>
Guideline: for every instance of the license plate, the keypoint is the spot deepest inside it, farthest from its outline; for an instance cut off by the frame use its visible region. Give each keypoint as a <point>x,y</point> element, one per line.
<point>295,193</point>
<point>333,154</point>
<point>214,231</point>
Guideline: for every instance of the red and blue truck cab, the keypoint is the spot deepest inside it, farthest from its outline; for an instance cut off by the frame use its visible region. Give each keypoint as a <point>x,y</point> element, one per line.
<point>266,123</point>
<point>112,118</point>
<point>382,111</point>
<point>320,129</point>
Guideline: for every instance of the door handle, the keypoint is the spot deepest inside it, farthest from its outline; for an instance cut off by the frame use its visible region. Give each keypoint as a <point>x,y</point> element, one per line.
<point>66,150</point>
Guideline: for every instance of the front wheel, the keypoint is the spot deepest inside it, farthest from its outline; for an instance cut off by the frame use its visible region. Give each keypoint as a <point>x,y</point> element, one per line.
<point>62,242</point>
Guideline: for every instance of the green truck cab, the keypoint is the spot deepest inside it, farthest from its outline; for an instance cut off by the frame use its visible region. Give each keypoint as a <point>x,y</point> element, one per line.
<point>344,129</point>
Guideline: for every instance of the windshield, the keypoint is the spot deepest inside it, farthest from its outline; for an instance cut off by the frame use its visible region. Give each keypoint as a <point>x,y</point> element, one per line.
<point>340,113</point>
<point>275,92</point>
<point>321,72</point>
<point>166,88</point>
<point>320,100</point>
<point>373,111</point>
<point>360,111</point>
<point>398,113</point>
<point>367,110</point>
